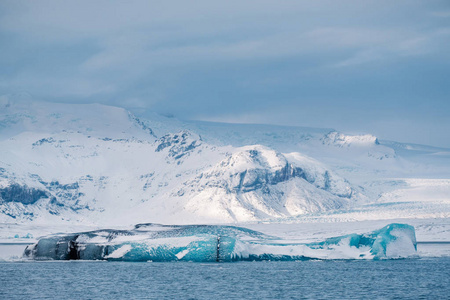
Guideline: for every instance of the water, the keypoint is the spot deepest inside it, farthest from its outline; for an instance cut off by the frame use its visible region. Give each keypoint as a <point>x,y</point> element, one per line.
<point>394,279</point>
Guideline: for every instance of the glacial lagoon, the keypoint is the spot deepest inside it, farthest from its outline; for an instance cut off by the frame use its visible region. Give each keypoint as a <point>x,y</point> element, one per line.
<point>424,278</point>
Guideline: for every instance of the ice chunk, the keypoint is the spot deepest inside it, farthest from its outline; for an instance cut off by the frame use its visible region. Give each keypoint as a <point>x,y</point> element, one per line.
<point>209,243</point>
<point>391,241</point>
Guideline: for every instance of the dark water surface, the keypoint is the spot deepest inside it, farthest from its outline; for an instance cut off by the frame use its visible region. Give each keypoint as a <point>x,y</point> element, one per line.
<point>394,279</point>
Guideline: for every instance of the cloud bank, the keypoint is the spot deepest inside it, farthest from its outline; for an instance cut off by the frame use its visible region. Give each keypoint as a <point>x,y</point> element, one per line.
<point>376,66</point>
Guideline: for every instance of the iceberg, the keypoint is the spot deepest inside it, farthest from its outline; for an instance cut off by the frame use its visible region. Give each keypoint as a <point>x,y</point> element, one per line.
<point>217,243</point>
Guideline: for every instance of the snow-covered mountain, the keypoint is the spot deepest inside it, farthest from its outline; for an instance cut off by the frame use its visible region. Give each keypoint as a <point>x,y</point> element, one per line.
<point>96,164</point>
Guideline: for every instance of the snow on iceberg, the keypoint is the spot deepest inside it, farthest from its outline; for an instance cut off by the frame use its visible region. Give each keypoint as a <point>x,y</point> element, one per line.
<point>214,243</point>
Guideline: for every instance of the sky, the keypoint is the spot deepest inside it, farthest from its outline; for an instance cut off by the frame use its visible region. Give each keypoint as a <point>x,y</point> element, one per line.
<point>379,67</point>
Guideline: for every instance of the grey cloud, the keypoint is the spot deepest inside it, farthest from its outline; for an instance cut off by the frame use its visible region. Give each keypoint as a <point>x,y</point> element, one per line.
<point>230,60</point>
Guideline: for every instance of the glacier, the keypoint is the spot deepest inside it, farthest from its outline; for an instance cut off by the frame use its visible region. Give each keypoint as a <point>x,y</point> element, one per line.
<point>219,243</point>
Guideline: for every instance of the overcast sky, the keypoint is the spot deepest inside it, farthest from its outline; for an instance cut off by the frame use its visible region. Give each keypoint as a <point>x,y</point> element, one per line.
<point>380,67</point>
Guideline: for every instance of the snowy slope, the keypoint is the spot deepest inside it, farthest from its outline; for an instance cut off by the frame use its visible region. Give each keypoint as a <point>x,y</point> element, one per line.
<point>101,164</point>
<point>358,158</point>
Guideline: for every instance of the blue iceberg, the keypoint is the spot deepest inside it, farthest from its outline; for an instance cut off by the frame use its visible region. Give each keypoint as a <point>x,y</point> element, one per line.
<point>216,243</point>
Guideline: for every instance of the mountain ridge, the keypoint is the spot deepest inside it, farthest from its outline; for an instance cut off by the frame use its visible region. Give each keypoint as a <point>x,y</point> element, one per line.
<point>96,163</point>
